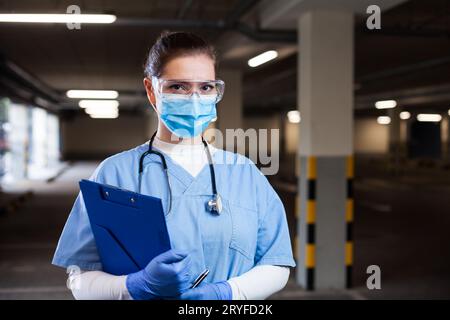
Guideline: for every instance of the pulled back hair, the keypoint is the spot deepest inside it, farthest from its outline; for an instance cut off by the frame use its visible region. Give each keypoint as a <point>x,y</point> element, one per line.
<point>172,45</point>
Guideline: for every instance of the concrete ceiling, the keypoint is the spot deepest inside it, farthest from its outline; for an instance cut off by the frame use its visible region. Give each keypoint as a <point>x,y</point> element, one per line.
<point>284,14</point>
<point>112,56</point>
<point>97,56</point>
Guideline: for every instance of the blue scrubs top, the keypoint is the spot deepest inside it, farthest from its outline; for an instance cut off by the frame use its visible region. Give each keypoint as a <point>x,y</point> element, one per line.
<point>251,230</point>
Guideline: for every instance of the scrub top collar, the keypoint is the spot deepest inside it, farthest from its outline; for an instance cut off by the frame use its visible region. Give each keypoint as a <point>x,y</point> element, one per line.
<point>198,185</point>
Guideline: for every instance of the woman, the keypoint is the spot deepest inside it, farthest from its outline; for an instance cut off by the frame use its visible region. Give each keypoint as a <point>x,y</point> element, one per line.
<point>246,247</point>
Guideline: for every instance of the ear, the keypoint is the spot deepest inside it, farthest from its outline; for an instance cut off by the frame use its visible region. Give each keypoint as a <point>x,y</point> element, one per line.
<point>150,92</point>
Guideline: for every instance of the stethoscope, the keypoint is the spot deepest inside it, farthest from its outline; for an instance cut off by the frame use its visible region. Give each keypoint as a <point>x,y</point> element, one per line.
<point>214,205</point>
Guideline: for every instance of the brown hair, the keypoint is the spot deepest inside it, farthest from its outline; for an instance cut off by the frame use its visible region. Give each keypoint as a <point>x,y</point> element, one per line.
<point>175,44</point>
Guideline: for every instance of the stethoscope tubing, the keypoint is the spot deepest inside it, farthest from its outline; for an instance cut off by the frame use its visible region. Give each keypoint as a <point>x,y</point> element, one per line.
<point>164,166</point>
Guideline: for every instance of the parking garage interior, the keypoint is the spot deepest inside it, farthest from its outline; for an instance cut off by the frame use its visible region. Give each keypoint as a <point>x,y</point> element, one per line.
<point>362,112</point>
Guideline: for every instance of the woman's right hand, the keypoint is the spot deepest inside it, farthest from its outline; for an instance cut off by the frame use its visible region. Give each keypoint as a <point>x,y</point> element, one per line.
<point>167,275</point>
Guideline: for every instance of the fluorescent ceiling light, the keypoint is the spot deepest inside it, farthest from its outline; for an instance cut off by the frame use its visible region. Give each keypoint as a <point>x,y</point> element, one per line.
<point>57,18</point>
<point>92,94</point>
<point>104,114</point>
<point>384,120</point>
<point>386,104</point>
<point>101,110</point>
<point>112,116</point>
<point>405,115</point>
<point>98,103</point>
<point>429,117</point>
<point>294,116</point>
<point>262,58</point>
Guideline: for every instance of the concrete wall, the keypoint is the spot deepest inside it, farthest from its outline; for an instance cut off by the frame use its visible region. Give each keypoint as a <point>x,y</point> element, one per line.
<point>263,122</point>
<point>86,138</point>
<point>369,136</point>
<point>229,110</point>
<point>292,137</point>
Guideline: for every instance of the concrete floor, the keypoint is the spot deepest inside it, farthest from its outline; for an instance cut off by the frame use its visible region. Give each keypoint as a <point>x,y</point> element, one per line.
<point>401,225</point>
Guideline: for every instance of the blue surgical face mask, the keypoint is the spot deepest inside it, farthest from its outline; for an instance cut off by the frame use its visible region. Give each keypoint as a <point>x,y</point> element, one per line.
<point>186,116</point>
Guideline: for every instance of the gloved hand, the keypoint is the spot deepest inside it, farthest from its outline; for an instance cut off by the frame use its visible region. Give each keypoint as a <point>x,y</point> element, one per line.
<point>167,275</point>
<point>209,291</point>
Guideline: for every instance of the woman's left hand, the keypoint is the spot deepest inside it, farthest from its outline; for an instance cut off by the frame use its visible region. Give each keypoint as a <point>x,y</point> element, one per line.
<point>209,291</point>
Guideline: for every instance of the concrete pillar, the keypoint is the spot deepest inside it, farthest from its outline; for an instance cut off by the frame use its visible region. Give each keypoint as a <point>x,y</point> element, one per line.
<point>445,139</point>
<point>283,122</point>
<point>229,110</point>
<point>324,247</point>
<point>394,140</point>
<point>403,149</point>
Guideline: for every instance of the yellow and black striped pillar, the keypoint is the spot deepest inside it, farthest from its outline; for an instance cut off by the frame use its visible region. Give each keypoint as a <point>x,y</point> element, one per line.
<point>310,222</point>
<point>349,209</point>
<point>326,104</point>
<point>324,243</point>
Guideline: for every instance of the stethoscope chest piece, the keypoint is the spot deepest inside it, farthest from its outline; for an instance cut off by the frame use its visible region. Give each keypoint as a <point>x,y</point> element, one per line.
<point>215,204</point>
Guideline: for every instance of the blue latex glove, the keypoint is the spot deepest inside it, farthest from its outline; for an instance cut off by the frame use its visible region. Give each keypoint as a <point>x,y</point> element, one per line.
<point>167,275</point>
<point>209,291</point>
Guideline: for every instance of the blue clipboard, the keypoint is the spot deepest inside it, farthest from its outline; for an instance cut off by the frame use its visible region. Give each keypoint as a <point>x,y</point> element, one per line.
<point>129,228</point>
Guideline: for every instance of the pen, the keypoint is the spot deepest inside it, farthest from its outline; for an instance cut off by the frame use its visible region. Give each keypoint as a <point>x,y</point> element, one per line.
<point>200,278</point>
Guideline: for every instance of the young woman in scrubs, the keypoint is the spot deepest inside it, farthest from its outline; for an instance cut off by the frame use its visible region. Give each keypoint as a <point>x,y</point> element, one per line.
<point>246,247</point>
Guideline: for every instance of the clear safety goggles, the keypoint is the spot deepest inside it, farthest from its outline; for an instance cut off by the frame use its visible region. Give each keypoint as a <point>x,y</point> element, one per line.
<point>204,88</point>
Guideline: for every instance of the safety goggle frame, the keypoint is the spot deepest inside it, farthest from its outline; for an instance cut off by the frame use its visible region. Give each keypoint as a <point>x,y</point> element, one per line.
<point>187,87</point>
